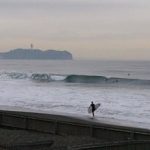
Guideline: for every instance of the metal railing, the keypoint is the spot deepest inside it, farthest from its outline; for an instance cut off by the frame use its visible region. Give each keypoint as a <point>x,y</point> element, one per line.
<point>29,121</point>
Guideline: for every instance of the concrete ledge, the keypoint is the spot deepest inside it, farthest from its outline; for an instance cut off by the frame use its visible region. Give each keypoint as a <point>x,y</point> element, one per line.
<point>13,120</point>
<point>67,128</point>
<point>41,125</point>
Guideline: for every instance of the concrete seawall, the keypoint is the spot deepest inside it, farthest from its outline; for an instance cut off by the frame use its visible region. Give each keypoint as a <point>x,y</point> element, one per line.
<point>65,125</point>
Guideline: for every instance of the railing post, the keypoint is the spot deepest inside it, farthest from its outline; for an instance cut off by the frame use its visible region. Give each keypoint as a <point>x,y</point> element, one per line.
<point>91,131</point>
<point>131,137</point>
<point>56,127</point>
<point>26,123</point>
<point>1,118</point>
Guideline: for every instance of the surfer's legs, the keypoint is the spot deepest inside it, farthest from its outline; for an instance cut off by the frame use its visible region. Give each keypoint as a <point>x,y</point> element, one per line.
<point>93,113</point>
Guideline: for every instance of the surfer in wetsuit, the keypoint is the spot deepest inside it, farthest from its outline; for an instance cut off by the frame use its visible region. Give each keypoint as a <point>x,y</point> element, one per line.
<point>93,108</point>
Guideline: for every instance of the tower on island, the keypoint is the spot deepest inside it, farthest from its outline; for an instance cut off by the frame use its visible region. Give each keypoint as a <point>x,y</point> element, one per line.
<point>31,46</point>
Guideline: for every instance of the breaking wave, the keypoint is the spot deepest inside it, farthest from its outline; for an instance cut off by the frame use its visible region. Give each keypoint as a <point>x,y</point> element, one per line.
<point>45,77</point>
<point>48,77</point>
<point>13,75</point>
<point>104,80</point>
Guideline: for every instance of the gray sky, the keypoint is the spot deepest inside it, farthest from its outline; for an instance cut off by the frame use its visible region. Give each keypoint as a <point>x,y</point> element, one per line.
<point>89,29</point>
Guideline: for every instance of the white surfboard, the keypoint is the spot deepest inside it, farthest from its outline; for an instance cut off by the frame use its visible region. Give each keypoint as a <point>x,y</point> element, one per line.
<point>96,107</point>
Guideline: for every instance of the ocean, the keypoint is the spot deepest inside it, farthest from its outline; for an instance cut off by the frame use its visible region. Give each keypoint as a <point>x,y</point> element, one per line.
<point>122,87</point>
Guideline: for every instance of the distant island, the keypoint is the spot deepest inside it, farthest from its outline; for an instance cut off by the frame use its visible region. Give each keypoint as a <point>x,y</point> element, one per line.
<point>36,54</point>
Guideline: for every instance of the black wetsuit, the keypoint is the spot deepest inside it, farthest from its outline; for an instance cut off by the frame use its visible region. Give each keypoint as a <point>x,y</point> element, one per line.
<point>93,107</point>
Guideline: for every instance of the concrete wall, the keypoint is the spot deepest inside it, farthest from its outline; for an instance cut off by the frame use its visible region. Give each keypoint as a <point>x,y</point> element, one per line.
<point>56,125</point>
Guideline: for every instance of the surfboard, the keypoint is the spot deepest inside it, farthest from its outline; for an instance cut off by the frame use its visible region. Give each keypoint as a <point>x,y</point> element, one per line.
<point>96,107</point>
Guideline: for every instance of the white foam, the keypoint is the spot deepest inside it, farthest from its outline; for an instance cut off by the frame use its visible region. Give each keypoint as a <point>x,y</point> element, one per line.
<point>58,77</point>
<point>117,103</point>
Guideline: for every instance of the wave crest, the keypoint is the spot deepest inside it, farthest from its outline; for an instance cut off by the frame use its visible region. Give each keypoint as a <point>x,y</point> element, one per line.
<point>13,75</point>
<point>40,77</point>
<point>45,77</point>
<point>85,79</point>
<point>105,80</point>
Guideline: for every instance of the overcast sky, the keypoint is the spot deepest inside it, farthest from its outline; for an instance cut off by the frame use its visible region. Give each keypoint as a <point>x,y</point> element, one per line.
<point>89,29</point>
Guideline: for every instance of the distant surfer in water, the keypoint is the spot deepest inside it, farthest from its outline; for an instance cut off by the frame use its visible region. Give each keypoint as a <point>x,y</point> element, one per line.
<point>93,108</point>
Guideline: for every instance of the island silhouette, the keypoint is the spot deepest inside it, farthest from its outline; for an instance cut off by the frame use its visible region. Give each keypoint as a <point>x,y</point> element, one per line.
<point>21,53</point>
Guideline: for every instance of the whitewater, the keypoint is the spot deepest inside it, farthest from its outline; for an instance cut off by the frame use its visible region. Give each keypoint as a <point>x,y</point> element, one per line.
<point>122,88</point>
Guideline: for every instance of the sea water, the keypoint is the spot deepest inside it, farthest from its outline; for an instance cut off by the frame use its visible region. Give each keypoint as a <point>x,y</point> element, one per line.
<point>122,88</point>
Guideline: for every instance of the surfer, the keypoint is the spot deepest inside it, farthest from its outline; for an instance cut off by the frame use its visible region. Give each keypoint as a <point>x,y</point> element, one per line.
<point>93,108</point>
